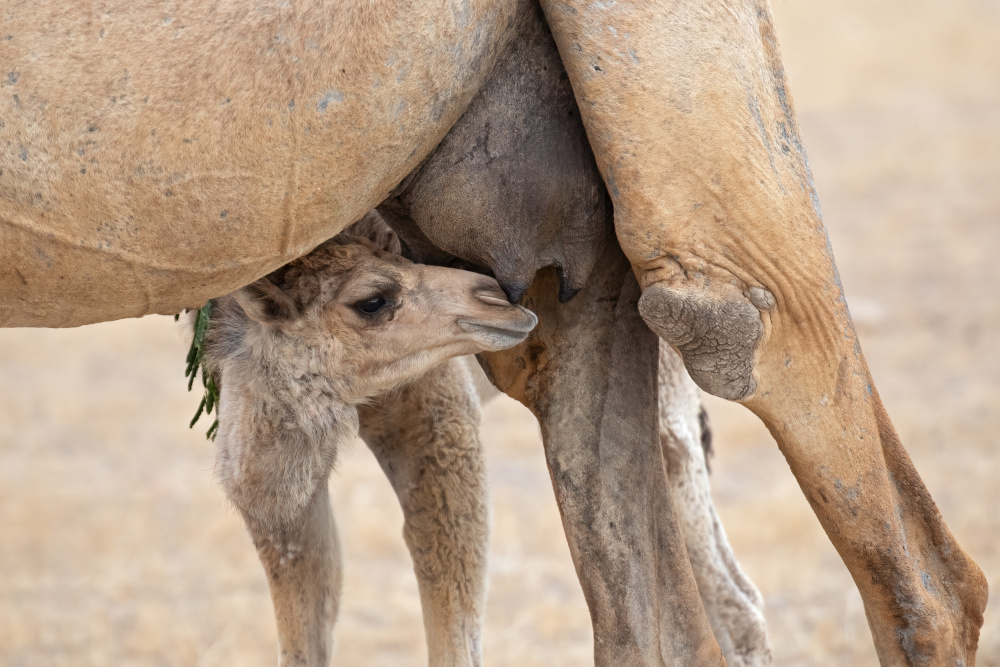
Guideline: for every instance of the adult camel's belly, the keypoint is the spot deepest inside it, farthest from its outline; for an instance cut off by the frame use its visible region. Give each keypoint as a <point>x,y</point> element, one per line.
<point>153,157</point>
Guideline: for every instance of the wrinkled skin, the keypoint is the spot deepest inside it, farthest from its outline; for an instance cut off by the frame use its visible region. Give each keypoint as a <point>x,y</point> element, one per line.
<point>696,138</point>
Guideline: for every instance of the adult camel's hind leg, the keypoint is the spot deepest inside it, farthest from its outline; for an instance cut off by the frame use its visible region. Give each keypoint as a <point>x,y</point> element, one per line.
<point>426,438</point>
<point>734,606</point>
<point>687,110</point>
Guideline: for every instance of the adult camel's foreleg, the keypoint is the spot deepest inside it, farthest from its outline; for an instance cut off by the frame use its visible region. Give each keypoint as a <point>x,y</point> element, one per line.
<point>588,372</point>
<point>426,438</point>
<point>686,107</point>
<point>734,605</point>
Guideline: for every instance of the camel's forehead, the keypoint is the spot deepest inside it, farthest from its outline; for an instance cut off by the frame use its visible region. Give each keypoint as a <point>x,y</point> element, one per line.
<point>332,258</point>
<point>357,267</point>
<point>370,268</point>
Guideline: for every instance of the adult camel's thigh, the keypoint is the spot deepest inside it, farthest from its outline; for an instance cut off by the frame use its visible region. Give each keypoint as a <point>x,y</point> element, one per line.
<point>734,605</point>
<point>687,110</point>
<point>426,438</point>
<point>588,372</point>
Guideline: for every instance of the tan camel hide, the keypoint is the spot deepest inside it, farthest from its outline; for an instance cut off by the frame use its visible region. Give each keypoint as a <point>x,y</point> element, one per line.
<point>695,136</point>
<point>156,155</point>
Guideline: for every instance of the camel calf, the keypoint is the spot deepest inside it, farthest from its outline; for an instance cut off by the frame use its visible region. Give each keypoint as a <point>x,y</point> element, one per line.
<point>296,354</point>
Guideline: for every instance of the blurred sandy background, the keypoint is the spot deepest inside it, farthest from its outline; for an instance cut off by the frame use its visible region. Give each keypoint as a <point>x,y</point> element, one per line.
<point>117,547</point>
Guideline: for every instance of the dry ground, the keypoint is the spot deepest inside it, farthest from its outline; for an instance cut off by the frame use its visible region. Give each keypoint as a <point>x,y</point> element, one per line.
<point>116,547</point>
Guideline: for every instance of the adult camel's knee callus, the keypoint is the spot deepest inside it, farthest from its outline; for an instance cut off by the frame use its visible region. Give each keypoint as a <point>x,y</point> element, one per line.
<point>717,337</point>
<point>692,127</point>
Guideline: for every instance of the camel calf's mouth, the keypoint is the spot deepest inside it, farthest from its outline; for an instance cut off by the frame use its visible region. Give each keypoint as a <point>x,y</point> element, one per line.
<point>512,332</point>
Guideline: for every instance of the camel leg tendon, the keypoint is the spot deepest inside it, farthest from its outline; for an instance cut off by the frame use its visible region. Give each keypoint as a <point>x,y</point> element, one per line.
<point>426,438</point>
<point>734,605</point>
<point>686,107</point>
<point>588,373</point>
<point>303,567</point>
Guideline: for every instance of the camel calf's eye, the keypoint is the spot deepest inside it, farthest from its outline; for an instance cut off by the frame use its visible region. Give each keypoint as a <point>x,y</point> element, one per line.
<point>371,305</point>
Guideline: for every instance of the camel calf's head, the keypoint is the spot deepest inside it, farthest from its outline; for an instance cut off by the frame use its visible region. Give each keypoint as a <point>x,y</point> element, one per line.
<point>355,311</point>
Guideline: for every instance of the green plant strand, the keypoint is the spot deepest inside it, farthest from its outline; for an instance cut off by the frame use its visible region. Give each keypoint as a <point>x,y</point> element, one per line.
<point>210,400</point>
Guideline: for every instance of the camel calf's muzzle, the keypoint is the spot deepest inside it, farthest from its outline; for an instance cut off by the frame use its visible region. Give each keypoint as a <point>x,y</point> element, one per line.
<point>486,315</point>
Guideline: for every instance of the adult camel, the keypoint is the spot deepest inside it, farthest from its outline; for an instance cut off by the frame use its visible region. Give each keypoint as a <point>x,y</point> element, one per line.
<point>154,159</point>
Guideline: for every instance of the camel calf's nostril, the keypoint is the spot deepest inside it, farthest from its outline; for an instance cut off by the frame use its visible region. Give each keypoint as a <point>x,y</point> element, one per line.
<point>492,298</point>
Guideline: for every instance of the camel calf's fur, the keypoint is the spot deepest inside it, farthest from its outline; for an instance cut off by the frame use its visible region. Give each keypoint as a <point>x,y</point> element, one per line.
<point>296,354</point>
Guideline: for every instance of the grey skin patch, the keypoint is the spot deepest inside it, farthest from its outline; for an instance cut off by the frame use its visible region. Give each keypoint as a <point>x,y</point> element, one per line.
<point>45,259</point>
<point>716,336</point>
<point>761,298</point>
<point>329,96</point>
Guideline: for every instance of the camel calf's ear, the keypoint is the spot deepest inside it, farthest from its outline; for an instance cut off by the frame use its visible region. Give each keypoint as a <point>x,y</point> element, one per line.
<point>267,303</point>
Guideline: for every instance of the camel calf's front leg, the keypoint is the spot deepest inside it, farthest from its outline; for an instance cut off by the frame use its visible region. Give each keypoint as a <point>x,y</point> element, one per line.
<point>303,568</point>
<point>281,491</point>
<point>426,438</point>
